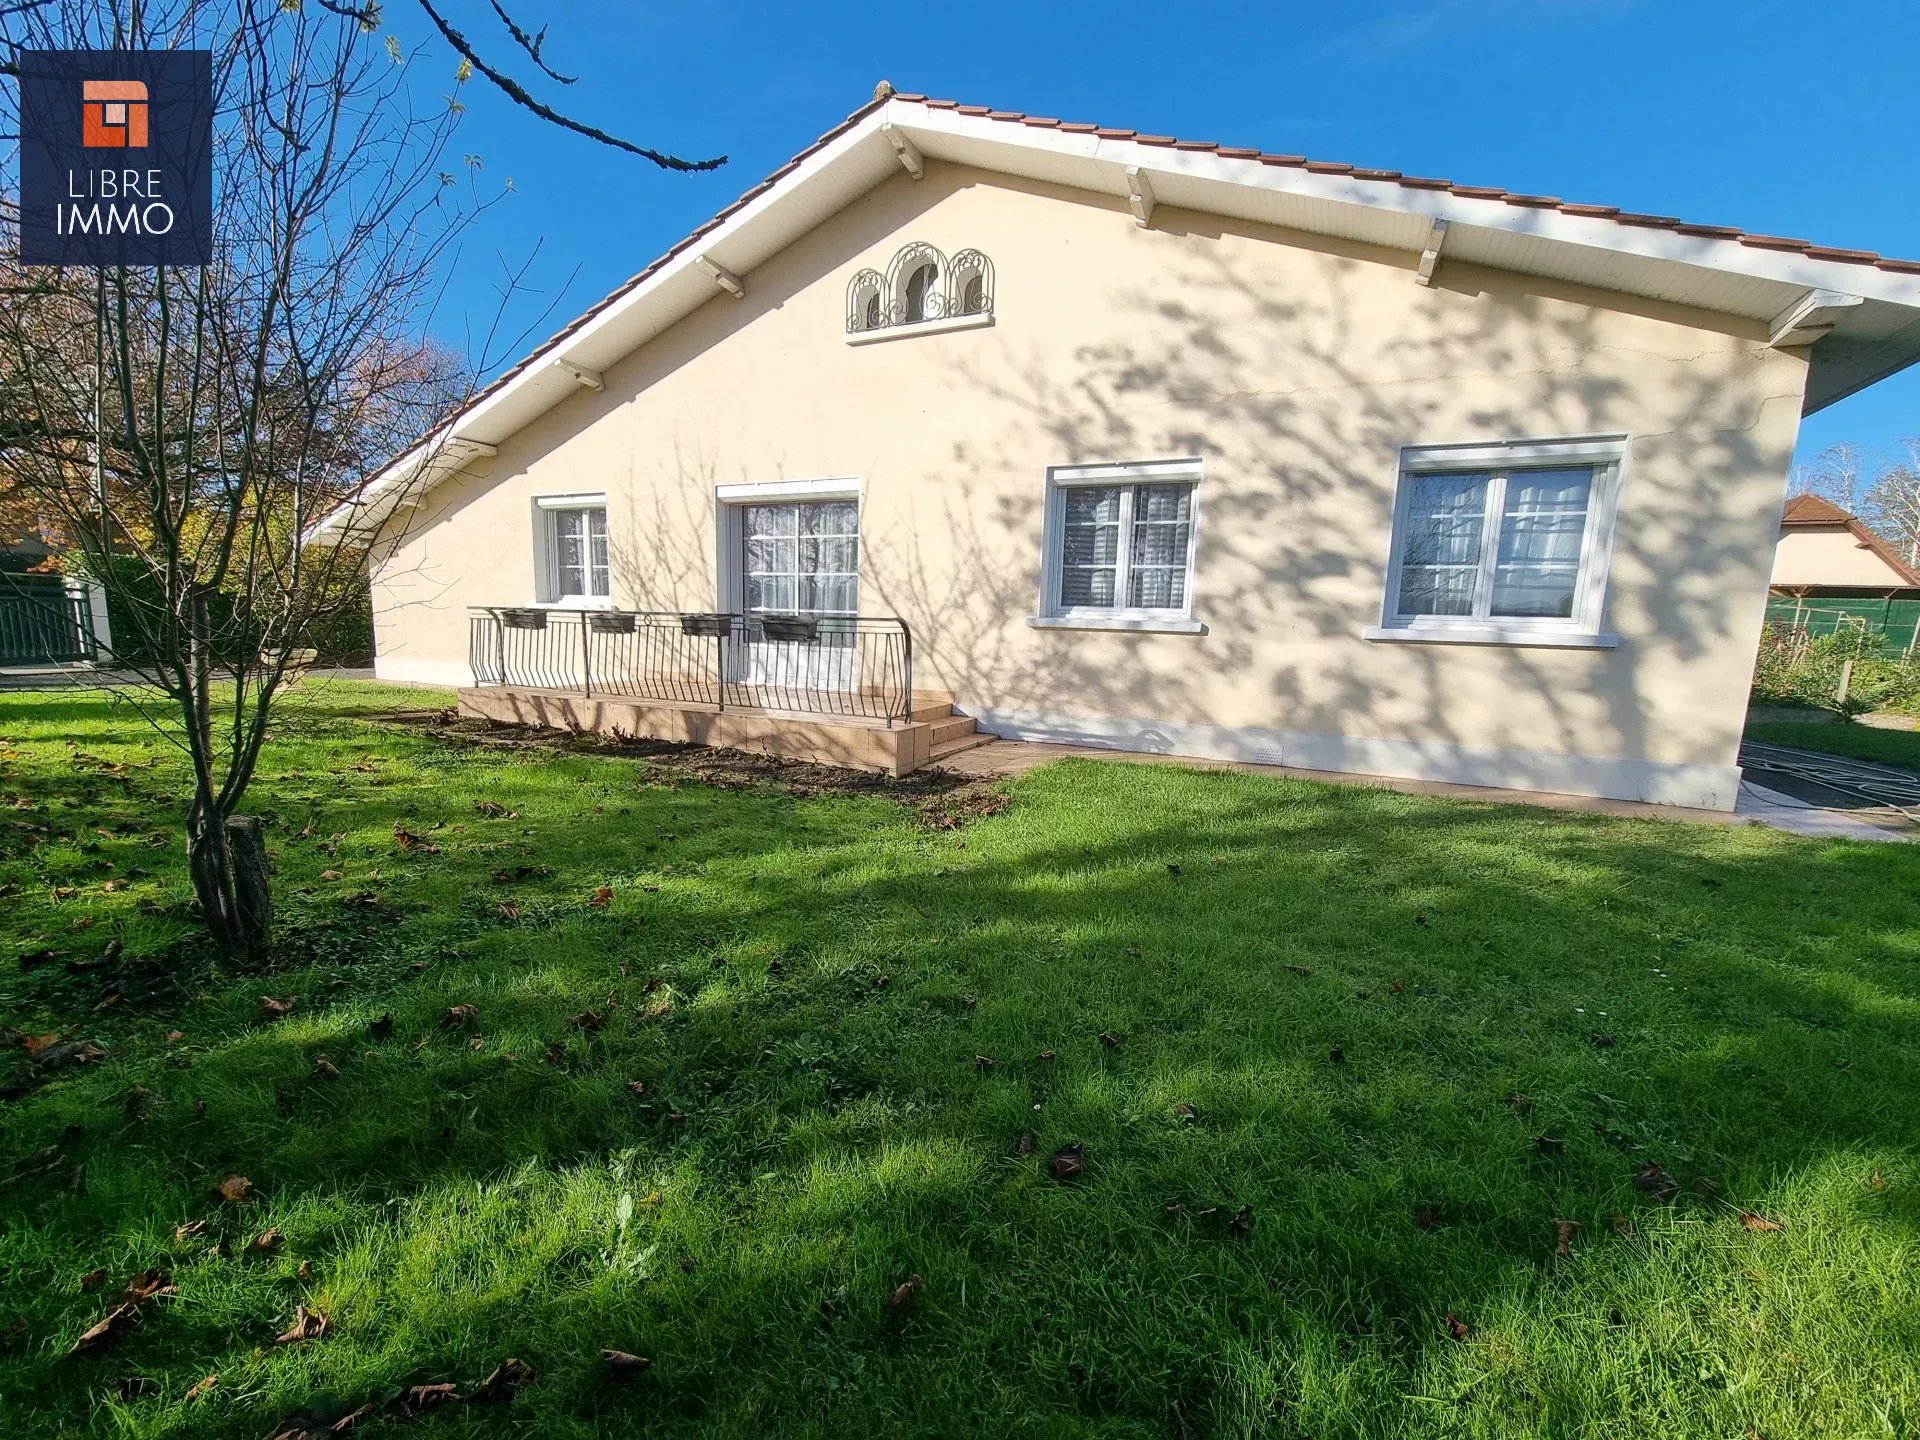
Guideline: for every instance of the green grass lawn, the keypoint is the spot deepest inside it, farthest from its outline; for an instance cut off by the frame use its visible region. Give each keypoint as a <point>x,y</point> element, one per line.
<point>1860,742</point>
<point>1410,1034</point>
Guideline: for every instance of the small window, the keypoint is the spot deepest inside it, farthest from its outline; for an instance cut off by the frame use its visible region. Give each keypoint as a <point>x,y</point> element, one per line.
<point>1503,538</point>
<point>1120,540</point>
<point>576,543</point>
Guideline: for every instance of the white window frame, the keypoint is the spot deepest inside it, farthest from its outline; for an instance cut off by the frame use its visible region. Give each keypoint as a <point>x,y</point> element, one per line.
<point>730,504</point>
<point>1585,627</point>
<point>1052,615</point>
<point>547,569</point>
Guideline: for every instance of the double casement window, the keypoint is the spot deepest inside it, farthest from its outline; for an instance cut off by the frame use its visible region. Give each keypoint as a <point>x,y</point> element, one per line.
<point>573,549</point>
<point>1507,542</point>
<point>1119,546</point>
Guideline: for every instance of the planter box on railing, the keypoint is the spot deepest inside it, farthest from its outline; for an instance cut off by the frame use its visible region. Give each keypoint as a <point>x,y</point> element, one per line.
<point>611,622</point>
<point>524,619</point>
<point>790,627</point>
<point>706,624</point>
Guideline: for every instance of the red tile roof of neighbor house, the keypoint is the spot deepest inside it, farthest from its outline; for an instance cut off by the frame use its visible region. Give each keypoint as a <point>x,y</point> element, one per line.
<point>1815,510</point>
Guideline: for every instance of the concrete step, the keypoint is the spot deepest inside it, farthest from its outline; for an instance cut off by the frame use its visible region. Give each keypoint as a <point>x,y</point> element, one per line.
<point>954,747</point>
<point>924,709</point>
<point>952,727</point>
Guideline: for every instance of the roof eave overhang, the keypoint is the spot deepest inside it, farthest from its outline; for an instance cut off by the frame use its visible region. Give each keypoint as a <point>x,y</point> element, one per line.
<point>1871,331</point>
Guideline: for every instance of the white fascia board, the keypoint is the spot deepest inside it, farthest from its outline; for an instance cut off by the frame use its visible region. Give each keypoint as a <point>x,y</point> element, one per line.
<point>763,222</point>
<point>1785,267</point>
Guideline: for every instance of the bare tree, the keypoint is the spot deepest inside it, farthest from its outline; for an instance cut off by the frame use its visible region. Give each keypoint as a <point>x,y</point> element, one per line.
<point>1841,473</point>
<point>1891,505</point>
<point>187,427</point>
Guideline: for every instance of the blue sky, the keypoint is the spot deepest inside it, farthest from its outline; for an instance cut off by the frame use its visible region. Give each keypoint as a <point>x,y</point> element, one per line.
<point>1773,115</point>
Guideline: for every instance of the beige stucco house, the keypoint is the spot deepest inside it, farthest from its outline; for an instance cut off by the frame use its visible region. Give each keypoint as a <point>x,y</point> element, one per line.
<point>968,420</point>
<point>1824,551</point>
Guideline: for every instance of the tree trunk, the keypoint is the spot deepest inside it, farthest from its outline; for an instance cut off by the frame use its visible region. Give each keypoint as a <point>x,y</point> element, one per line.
<point>228,860</point>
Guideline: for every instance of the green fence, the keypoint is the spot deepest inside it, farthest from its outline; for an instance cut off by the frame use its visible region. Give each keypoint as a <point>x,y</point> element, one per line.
<point>1890,627</point>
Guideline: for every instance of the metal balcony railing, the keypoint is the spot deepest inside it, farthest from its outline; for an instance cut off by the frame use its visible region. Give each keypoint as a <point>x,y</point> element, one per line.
<point>41,623</point>
<point>857,666</point>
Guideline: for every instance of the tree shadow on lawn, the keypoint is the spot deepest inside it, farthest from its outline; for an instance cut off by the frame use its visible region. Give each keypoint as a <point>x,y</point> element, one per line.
<point>814,1126</point>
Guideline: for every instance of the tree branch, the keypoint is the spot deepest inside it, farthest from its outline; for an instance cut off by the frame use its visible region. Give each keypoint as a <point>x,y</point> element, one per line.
<point>515,92</point>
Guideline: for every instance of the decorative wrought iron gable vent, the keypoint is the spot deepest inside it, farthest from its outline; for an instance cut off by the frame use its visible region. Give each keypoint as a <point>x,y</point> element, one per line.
<point>920,285</point>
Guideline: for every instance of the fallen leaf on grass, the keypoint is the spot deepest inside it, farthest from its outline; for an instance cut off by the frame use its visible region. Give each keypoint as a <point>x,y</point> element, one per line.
<point>457,1016</point>
<point>1067,1162</point>
<point>636,1087</point>
<point>1110,1040</point>
<point>235,1188</point>
<point>34,959</point>
<point>120,1317</point>
<point>601,898</point>
<point>1240,1226</point>
<point>304,1272</point>
<point>307,1325</point>
<point>983,1063</point>
<point>382,1027</point>
<point>1563,1233</point>
<point>1549,1145</point>
<point>272,1008</point>
<point>1655,1183</point>
<point>903,1293</point>
<point>93,1279</point>
<point>1024,1145</point>
<point>588,1020</point>
<point>497,812</point>
<point>622,1366</point>
<point>200,1387</point>
<point>1458,1328</point>
<point>420,1398</point>
<point>505,1378</point>
<point>265,1243</point>
<point>1046,1055</point>
<point>70,1052</point>
<point>407,840</point>
<point>132,1387</point>
<point>331,875</point>
<point>509,909</point>
<point>1603,1042</point>
<point>1337,1056</point>
<point>1185,1113</point>
<point>1759,1223</point>
<point>1518,1103</point>
<point>192,1230</point>
<point>1622,1226</point>
<point>324,1068</point>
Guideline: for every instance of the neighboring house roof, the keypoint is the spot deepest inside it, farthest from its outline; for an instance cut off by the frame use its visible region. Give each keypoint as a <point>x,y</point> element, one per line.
<point>1863,310</point>
<point>1805,512</point>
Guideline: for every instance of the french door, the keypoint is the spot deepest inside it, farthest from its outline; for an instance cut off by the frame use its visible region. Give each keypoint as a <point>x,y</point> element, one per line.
<point>801,559</point>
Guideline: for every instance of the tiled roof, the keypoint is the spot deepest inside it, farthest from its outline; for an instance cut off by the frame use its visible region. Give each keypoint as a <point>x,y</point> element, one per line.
<point>1416,182</point>
<point>1076,127</point>
<point>1813,510</point>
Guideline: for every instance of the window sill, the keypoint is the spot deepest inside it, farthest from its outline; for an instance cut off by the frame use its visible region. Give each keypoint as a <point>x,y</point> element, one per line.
<point>920,327</point>
<point>572,602</point>
<point>1492,635</point>
<point>1147,624</point>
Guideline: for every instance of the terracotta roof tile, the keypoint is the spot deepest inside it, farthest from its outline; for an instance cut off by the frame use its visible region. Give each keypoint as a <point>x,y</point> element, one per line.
<point>1384,177</point>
